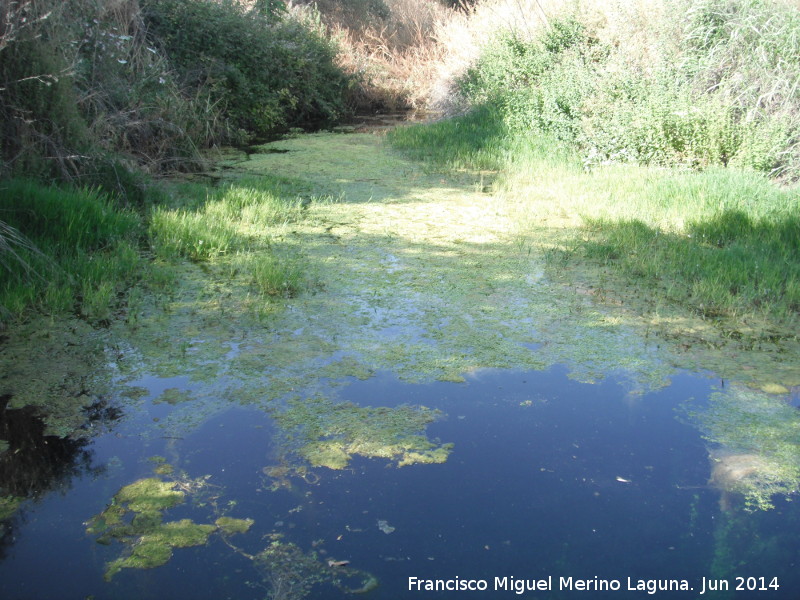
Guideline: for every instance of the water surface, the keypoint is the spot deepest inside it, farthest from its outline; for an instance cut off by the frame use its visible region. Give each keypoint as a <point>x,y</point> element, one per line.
<point>548,477</point>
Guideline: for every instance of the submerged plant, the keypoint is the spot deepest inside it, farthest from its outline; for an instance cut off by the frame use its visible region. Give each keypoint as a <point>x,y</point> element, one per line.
<point>759,453</point>
<point>291,573</point>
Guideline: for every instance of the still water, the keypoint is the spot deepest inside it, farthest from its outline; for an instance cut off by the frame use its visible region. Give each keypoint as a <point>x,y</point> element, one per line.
<point>549,479</point>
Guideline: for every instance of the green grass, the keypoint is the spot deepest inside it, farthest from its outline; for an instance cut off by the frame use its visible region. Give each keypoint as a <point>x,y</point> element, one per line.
<point>206,223</point>
<point>278,276</point>
<point>241,226</point>
<point>657,176</point>
<point>722,242</point>
<point>64,250</point>
<point>727,263</point>
<point>479,140</point>
<point>75,251</point>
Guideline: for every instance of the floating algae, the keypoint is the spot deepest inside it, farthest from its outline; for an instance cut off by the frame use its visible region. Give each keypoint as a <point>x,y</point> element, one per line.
<point>291,573</point>
<point>149,494</point>
<point>278,476</point>
<point>230,526</point>
<point>9,506</point>
<point>61,397</point>
<point>757,452</point>
<point>328,434</point>
<point>384,526</point>
<point>135,518</point>
<point>154,549</point>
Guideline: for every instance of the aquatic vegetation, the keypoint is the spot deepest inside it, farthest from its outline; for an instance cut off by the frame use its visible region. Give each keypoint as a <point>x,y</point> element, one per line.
<point>384,526</point>
<point>62,397</point>
<point>389,295</point>
<point>135,518</point>
<point>328,434</point>
<point>291,574</point>
<point>9,506</point>
<point>174,396</point>
<point>759,448</point>
<point>154,548</point>
<point>279,476</point>
<point>149,494</point>
<point>230,526</point>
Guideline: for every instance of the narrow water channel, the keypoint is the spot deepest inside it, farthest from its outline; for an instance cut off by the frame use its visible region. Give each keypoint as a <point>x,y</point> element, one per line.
<point>438,417</point>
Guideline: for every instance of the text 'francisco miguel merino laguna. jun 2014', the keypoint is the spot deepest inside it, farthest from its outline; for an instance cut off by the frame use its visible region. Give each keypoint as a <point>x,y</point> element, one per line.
<point>595,584</point>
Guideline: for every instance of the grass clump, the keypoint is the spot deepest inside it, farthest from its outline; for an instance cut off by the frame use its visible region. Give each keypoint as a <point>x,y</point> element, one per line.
<point>65,250</point>
<point>723,243</point>
<point>239,226</point>
<point>277,276</point>
<point>205,223</point>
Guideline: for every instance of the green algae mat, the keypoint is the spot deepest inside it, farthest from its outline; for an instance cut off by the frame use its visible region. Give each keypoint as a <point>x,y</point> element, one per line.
<point>427,275</point>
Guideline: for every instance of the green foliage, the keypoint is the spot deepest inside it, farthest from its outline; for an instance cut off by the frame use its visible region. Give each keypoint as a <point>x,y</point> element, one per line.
<point>536,84</point>
<point>234,217</point>
<point>238,226</point>
<point>131,100</point>
<point>277,276</point>
<point>40,126</point>
<point>726,264</point>
<point>354,13</point>
<point>706,102</point>
<point>64,249</point>
<point>267,74</point>
<point>483,139</point>
<point>478,140</point>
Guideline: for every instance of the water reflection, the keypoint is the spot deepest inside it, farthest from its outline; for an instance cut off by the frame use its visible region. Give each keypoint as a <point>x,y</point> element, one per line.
<point>548,477</point>
<point>35,464</point>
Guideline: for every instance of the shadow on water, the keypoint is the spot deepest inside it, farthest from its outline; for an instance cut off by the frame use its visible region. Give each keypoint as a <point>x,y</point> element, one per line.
<point>35,465</point>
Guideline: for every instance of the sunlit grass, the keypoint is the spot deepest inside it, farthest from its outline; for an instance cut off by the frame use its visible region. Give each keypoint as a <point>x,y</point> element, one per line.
<point>278,276</point>
<point>239,216</point>
<point>722,242</point>
<point>238,225</point>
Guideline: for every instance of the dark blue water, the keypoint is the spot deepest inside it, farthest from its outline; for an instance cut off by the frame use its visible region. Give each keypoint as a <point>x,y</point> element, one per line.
<point>549,479</point>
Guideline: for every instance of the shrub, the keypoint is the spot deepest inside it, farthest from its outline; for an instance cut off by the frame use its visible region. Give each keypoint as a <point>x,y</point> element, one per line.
<point>267,73</point>
<point>721,94</point>
<point>540,84</point>
<point>38,110</point>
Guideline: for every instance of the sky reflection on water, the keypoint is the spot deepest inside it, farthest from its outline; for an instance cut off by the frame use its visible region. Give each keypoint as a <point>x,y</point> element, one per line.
<point>548,477</point>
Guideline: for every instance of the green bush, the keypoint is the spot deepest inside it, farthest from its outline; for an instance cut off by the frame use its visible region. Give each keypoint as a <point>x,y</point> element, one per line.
<point>41,129</point>
<point>537,85</point>
<point>132,102</point>
<point>722,94</point>
<point>267,73</point>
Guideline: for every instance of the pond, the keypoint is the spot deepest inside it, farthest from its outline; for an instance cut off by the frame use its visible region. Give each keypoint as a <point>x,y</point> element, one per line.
<point>439,413</point>
<point>548,479</point>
